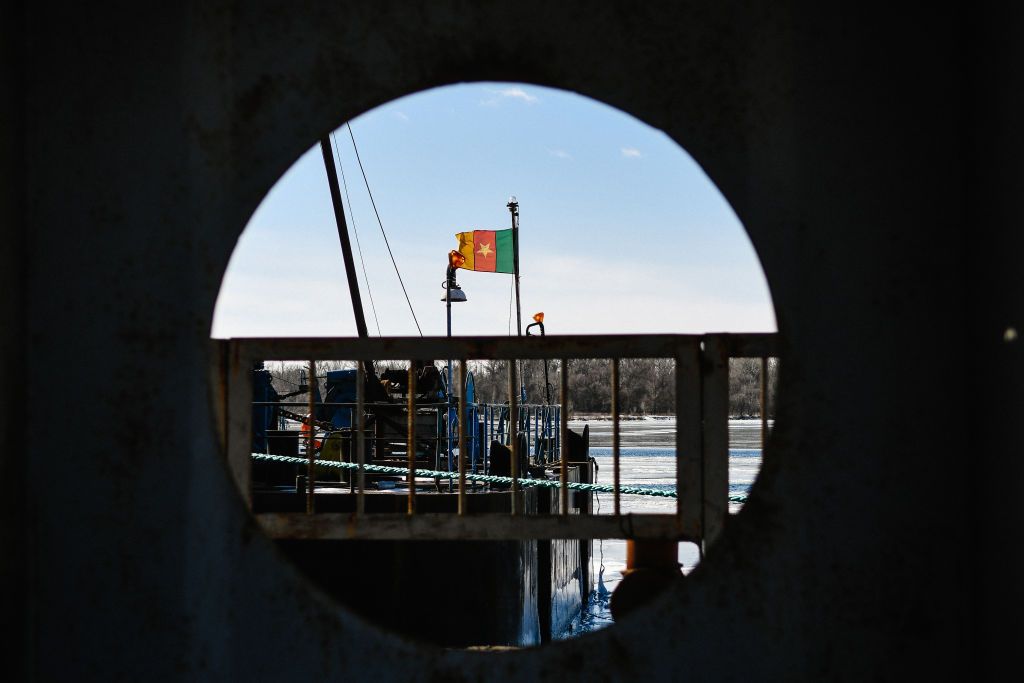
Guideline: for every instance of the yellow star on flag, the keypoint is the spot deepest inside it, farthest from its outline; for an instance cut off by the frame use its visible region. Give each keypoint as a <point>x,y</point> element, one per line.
<point>485,250</point>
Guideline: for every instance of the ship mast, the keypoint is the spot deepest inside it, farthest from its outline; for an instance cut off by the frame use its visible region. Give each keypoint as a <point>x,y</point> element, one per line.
<point>346,245</point>
<point>346,252</point>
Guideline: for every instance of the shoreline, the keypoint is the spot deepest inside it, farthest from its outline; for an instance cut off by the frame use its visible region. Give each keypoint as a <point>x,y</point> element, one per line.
<point>602,417</point>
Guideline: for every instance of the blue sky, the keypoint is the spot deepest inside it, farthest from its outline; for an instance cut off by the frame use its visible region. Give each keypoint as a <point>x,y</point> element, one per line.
<point>620,230</point>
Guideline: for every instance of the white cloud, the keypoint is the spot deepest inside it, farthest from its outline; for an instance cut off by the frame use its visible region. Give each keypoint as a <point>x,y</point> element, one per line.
<point>513,93</point>
<point>517,93</point>
<point>631,153</point>
<point>559,153</point>
<point>401,115</point>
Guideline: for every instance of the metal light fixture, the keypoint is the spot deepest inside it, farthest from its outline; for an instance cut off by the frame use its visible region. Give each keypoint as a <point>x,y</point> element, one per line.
<point>453,293</point>
<point>457,295</point>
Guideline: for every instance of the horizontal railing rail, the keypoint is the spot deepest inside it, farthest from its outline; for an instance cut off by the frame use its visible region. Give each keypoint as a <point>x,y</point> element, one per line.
<point>552,346</point>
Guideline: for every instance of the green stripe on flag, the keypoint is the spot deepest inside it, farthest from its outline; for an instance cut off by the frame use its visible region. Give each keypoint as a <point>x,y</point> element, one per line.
<point>503,238</point>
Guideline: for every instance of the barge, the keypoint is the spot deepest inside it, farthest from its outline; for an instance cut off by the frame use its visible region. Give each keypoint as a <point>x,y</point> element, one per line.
<point>409,442</point>
<point>452,593</point>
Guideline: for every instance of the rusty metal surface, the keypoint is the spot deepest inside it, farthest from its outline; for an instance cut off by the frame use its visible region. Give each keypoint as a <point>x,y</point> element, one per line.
<point>714,452</point>
<point>872,160</point>
<point>499,348</point>
<point>689,439</point>
<point>447,527</point>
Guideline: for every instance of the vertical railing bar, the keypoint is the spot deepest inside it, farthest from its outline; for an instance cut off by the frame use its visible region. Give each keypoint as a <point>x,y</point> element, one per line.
<point>513,403</point>
<point>360,438</point>
<point>764,402</point>
<point>680,439</point>
<point>238,423</point>
<point>311,445</point>
<point>538,433</point>
<point>410,440</point>
<point>352,448</point>
<point>615,432</point>
<point>689,460</point>
<point>564,438</point>
<point>558,434</point>
<point>463,441</point>
<point>714,438</point>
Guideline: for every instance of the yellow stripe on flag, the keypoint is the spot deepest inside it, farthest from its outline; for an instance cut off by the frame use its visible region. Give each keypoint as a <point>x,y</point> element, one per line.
<point>466,249</point>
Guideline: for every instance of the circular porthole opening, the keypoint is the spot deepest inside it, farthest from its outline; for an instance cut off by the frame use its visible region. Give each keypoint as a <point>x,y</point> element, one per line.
<point>487,210</point>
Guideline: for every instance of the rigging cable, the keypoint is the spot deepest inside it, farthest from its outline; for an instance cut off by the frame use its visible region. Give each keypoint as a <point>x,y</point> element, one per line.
<point>386,243</point>
<point>352,218</point>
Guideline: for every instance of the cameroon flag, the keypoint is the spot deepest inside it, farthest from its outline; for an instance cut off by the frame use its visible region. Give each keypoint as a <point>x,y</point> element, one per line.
<point>489,251</point>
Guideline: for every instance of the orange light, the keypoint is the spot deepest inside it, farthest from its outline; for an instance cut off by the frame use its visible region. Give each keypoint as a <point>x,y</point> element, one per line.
<point>538,317</point>
<point>456,259</point>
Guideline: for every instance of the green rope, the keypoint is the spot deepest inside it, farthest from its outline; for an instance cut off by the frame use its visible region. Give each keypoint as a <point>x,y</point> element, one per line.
<point>485,478</point>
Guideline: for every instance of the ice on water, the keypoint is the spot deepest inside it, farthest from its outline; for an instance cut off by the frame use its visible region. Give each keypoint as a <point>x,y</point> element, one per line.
<point>648,460</point>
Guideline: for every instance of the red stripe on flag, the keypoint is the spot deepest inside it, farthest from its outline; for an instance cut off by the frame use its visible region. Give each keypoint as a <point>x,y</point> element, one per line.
<point>485,251</point>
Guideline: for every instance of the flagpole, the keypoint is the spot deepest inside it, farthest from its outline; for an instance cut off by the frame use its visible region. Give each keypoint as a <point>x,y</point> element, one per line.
<point>513,208</point>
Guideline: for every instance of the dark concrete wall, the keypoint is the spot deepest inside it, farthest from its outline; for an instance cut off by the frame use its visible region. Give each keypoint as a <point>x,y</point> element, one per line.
<point>872,155</point>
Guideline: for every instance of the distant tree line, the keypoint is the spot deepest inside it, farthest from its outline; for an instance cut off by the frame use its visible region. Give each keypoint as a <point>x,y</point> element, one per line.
<point>646,385</point>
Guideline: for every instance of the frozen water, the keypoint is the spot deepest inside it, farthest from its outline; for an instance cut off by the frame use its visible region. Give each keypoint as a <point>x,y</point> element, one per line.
<point>648,459</point>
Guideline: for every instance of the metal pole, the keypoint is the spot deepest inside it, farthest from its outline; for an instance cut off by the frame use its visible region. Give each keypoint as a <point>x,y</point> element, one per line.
<point>513,207</point>
<point>564,438</point>
<point>463,441</point>
<point>547,384</point>
<point>615,430</point>
<point>448,414</point>
<point>513,432</point>
<point>346,247</point>
<point>764,401</point>
<point>361,438</point>
<point>411,437</point>
<point>311,443</point>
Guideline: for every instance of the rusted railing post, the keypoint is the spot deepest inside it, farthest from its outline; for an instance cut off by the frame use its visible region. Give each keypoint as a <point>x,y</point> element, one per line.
<point>311,443</point>
<point>462,436</point>
<point>563,502</point>
<point>410,439</point>
<point>715,438</point>
<point>513,433</point>
<point>764,401</point>
<point>689,473</point>
<point>360,437</point>
<point>615,431</point>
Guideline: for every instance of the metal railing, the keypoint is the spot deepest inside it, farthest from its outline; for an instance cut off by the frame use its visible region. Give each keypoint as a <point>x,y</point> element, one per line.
<point>538,422</point>
<point>701,440</point>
